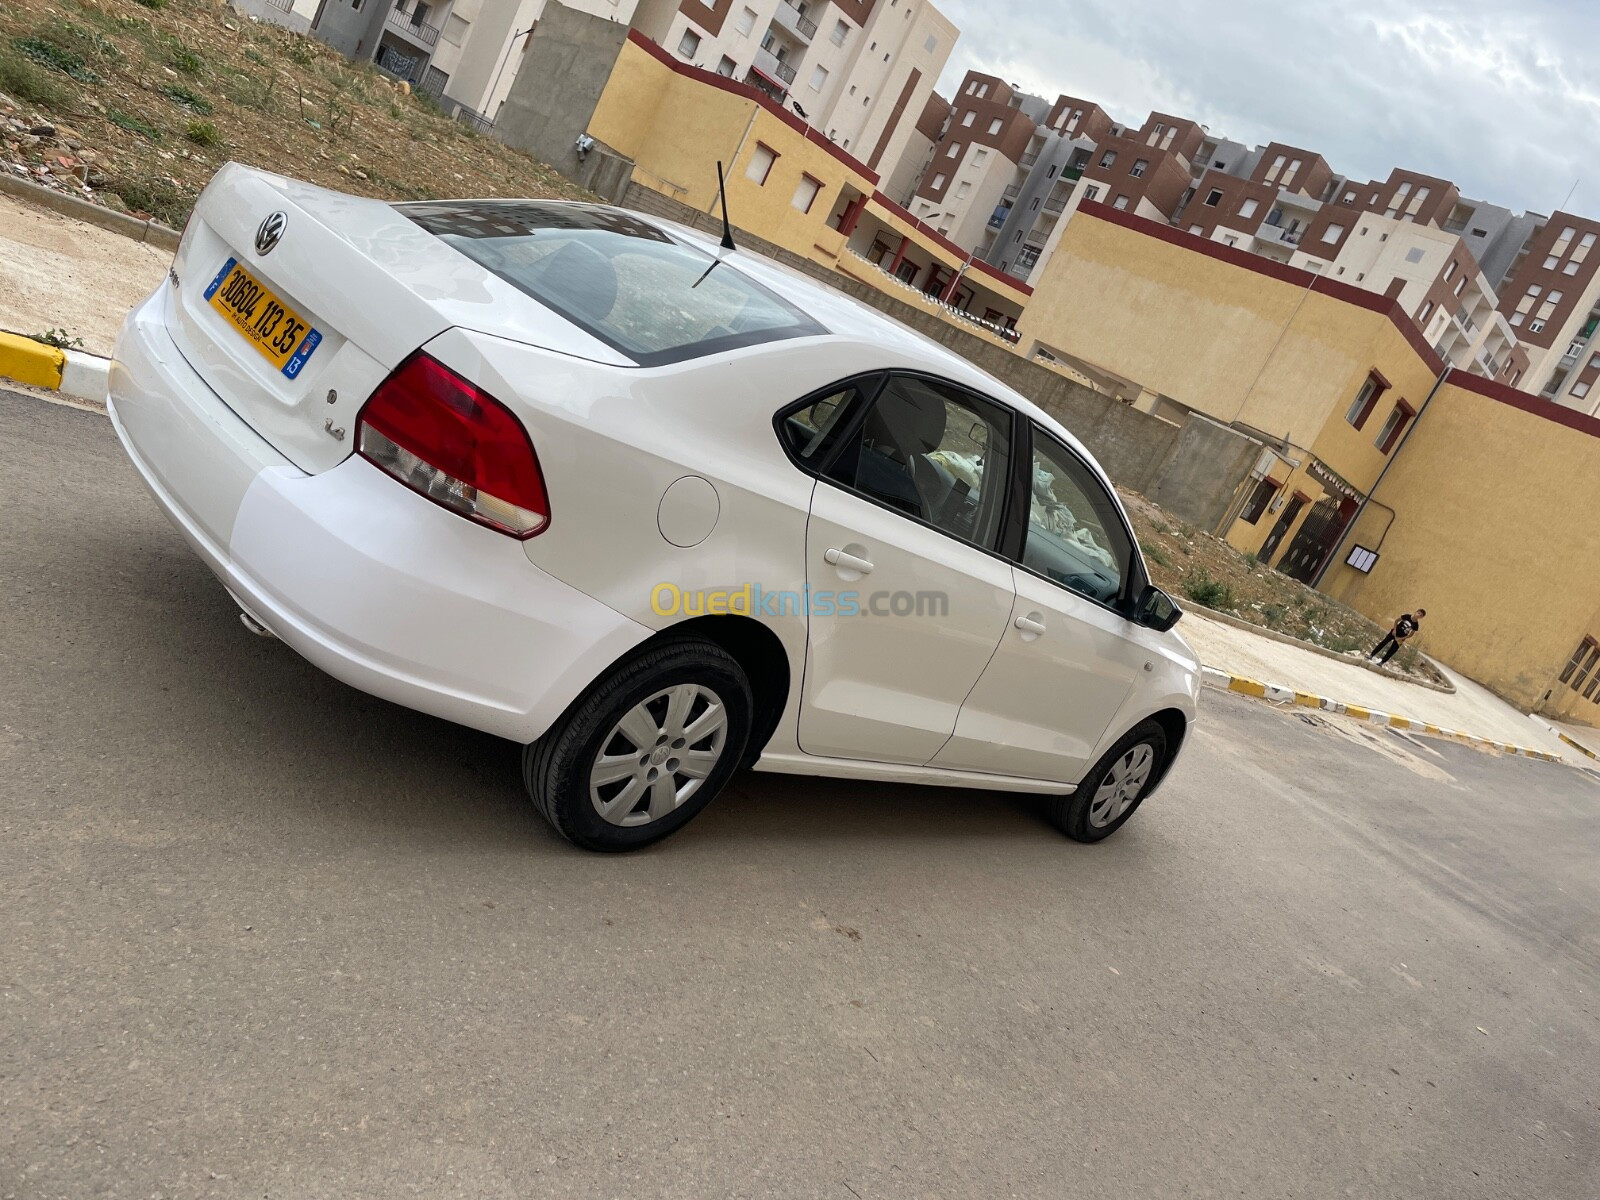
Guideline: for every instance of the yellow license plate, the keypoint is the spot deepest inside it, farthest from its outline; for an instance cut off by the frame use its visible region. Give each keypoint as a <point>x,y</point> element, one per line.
<point>284,338</point>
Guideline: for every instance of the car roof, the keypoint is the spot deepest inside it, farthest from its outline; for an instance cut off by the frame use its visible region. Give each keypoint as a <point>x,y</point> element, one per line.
<point>851,320</point>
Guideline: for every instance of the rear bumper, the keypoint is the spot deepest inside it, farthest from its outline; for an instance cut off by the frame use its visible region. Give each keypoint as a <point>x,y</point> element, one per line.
<point>367,580</point>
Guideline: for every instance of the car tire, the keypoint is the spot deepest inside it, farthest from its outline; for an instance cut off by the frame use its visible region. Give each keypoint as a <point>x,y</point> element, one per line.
<point>1104,800</point>
<point>640,754</point>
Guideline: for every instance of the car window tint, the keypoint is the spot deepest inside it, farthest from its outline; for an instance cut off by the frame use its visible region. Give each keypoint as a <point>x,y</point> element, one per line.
<point>811,429</point>
<point>1074,536</point>
<point>935,452</point>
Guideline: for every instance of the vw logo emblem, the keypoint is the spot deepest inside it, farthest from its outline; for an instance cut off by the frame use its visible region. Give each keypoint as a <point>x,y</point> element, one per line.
<point>270,233</point>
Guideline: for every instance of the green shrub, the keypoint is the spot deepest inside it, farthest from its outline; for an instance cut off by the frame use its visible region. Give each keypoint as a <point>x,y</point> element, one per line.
<point>300,53</point>
<point>134,125</point>
<point>48,52</point>
<point>187,61</point>
<point>1251,562</point>
<point>156,4</point>
<point>203,133</point>
<point>24,81</point>
<point>59,338</point>
<point>155,196</point>
<point>191,100</point>
<point>1155,553</point>
<point>1272,615</point>
<point>1202,589</point>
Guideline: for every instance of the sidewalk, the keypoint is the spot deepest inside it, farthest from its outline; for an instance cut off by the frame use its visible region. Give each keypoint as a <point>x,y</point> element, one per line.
<point>1472,709</point>
<point>61,273</point>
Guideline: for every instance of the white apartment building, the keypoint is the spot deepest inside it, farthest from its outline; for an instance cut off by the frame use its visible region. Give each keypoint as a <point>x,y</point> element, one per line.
<point>858,71</point>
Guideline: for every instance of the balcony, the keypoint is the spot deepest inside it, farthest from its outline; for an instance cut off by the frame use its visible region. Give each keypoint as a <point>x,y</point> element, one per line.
<point>998,217</point>
<point>1028,159</point>
<point>1027,257</point>
<point>1465,321</point>
<point>1072,172</point>
<point>1278,235</point>
<point>413,26</point>
<point>770,65</point>
<point>1011,192</point>
<point>796,22</point>
<point>1055,204</point>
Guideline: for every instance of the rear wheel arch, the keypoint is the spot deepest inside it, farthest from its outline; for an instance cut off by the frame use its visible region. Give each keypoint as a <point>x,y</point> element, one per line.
<point>758,652</point>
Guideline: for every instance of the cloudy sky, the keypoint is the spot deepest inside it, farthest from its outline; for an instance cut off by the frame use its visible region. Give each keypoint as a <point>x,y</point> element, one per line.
<point>1503,98</point>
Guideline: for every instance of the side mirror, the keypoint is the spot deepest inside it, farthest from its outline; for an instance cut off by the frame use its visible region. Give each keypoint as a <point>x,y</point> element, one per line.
<point>1156,610</point>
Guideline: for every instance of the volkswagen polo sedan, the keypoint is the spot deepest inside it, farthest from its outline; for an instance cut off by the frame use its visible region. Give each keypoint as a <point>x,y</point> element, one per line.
<point>653,509</point>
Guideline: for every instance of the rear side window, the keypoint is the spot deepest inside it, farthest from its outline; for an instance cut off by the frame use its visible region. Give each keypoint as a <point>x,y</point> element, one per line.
<point>1074,536</point>
<point>934,452</point>
<point>621,279</point>
<point>812,430</point>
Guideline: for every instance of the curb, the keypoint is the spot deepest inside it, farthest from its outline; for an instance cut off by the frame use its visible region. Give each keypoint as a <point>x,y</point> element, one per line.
<point>87,211</point>
<point>70,372</point>
<point>1279,694</point>
<point>1210,614</point>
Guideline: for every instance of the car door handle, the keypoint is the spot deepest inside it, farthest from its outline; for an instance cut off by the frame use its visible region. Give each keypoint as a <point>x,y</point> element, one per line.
<point>848,562</point>
<point>1030,624</point>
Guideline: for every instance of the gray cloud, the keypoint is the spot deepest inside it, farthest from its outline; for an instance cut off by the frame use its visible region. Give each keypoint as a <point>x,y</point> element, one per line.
<point>1503,99</point>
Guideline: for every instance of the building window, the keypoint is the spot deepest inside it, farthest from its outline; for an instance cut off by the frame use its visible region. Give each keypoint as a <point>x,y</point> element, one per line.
<point>1050,174</point>
<point>967,119</point>
<point>1196,229</point>
<point>955,149</point>
<point>1594,362</point>
<point>1571,268</point>
<point>982,91</point>
<point>1389,435</point>
<point>929,46</point>
<point>1427,311</point>
<point>1414,255</point>
<point>1256,506</point>
<point>1550,261</point>
<point>1106,159</point>
<point>1229,240</point>
<point>1034,207</point>
<point>979,157</point>
<point>1581,663</point>
<point>747,21</point>
<point>727,66</point>
<point>689,46</point>
<point>1332,233</point>
<point>761,161</point>
<point>1248,208</point>
<point>840,32</point>
<point>1580,390</point>
<point>1121,202</point>
<point>805,195</point>
<point>818,78</point>
<point>1140,165</point>
<point>1091,193</point>
<point>1366,400</point>
<point>1215,198</point>
<point>1449,272</point>
<point>938,182</point>
<point>962,189</point>
<point>995,125</point>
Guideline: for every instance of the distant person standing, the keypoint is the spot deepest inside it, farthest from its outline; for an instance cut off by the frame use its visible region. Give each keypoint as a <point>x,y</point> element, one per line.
<point>1406,625</point>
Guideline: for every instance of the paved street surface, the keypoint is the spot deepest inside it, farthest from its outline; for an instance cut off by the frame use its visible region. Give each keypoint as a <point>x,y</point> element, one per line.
<point>1471,708</point>
<point>268,937</point>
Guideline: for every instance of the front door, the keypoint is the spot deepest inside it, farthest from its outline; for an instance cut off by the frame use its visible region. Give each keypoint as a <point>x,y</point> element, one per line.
<point>1067,660</point>
<point>1291,510</point>
<point>907,597</point>
<point>1316,538</point>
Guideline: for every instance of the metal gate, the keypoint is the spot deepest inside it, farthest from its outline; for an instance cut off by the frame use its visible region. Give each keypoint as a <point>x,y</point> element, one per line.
<point>1316,538</point>
<point>1290,512</point>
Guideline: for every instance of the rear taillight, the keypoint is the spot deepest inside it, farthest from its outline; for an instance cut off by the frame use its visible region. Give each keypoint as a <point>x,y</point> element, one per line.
<point>455,444</point>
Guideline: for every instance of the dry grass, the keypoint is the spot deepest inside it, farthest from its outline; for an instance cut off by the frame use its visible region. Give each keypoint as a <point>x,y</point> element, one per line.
<point>160,97</point>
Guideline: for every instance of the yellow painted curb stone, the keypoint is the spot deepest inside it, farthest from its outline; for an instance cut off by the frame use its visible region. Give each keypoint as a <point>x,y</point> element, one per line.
<point>27,361</point>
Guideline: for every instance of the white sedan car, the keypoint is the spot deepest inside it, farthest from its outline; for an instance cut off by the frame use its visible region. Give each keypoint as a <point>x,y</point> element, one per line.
<point>653,509</point>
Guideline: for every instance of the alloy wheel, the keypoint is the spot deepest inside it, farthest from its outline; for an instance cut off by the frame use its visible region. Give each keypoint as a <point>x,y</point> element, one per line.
<point>658,755</point>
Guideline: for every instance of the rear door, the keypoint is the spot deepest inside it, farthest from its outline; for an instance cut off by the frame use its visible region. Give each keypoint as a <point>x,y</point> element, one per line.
<point>1067,660</point>
<point>907,596</point>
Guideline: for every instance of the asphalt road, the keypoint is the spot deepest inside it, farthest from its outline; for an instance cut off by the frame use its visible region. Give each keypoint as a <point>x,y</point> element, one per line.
<point>268,937</point>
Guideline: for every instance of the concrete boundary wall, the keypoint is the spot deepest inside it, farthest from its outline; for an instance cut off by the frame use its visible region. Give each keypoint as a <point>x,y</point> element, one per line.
<point>1193,470</point>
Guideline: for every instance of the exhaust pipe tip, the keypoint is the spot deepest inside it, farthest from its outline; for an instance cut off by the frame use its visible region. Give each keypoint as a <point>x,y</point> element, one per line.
<point>255,626</point>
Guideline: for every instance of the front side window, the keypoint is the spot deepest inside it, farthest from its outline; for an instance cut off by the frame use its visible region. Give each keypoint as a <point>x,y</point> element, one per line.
<point>1075,537</point>
<point>934,452</point>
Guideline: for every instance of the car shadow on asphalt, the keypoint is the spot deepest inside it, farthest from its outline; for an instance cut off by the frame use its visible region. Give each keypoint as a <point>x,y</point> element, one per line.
<point>267,724</point>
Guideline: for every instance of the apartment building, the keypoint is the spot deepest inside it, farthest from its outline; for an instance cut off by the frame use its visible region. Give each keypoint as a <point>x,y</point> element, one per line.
<point>1551,297</point>
<point>984,144</point>
<point>906,171</point>
<point>858,71</point>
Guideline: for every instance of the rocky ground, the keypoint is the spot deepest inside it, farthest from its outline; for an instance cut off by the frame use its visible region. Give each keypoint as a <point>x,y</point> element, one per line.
<point>135,104</point>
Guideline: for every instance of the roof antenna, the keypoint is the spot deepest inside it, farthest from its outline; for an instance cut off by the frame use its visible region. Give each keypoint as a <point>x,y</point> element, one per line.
<point>727,230</point>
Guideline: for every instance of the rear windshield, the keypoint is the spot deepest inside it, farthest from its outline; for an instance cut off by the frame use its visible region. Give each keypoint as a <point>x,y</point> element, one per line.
<point>631,285</point>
